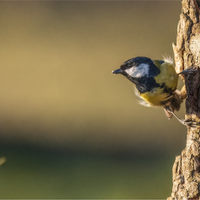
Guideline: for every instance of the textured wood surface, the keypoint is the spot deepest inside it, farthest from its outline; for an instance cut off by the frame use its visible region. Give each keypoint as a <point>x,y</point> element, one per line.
<point>186,168</point>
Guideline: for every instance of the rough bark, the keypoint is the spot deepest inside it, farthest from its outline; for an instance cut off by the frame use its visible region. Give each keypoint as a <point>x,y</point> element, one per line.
<point>186,168</point>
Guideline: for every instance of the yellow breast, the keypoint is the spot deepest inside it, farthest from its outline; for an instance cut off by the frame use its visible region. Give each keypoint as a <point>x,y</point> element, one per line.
<point>167,78</point>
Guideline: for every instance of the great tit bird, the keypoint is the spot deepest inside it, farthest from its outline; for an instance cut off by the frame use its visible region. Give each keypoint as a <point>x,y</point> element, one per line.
<point>155,82</point>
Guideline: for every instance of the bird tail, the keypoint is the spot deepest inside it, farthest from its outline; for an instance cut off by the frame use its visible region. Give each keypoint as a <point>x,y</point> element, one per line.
<point>174,104</point>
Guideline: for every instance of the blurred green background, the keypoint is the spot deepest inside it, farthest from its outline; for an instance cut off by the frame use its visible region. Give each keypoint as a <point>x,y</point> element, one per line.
<point>68,127</point>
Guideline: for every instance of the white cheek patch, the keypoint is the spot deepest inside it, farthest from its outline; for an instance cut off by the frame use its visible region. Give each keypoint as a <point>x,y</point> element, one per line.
<point>139,71</point>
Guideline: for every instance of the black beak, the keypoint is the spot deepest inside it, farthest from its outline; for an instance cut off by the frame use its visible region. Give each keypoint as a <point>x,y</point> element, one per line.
<point>118,71</point>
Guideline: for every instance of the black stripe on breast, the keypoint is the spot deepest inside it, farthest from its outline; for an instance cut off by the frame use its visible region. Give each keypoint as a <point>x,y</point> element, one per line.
<point>167,90</point>
<point>145,84</point>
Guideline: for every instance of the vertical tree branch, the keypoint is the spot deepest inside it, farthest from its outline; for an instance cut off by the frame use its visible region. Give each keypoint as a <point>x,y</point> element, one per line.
<point>186,169</point>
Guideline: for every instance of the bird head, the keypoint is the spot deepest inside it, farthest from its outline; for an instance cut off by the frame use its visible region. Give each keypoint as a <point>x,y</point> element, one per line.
<point>137,68</point>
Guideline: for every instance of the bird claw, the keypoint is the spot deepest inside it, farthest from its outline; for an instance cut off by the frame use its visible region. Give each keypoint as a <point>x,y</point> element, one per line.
<point>189,122</point>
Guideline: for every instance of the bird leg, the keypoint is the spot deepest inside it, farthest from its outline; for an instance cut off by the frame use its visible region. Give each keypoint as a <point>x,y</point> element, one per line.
<point>187,122</point>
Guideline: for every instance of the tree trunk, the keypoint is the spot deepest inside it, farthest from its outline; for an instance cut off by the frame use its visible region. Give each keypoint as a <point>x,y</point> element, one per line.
<point>186,169</point>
